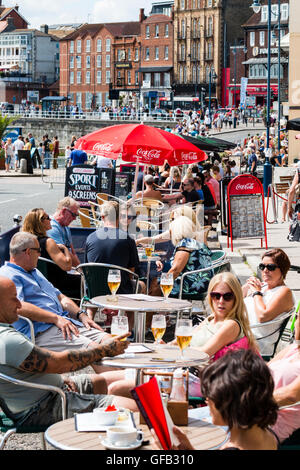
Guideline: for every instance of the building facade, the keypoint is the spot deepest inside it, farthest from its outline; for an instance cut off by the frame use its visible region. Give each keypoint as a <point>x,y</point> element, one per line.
<point>294,74</point>
<point>156,64</point>
<point>250,58</point>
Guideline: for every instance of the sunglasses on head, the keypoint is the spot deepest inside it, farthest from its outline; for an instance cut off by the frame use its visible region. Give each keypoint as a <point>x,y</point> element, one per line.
<point>270,267</point>
<point>228,296</point>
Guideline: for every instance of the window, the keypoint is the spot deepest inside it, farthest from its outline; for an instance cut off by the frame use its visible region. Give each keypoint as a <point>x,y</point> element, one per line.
<point>78,77</point>
<point>157,53</point>
<point>136,54</point>
<point>99,99</point>
<point>79,45</point>
<point>88,45</point>
<point>210,27</point>
<point>166,30</point>
<point>99,61</point>
<point>71,78</point>
<point>121,55</point>
<point>129,77</point>
<point>182,4</point>
<point>183,29</point>
<point>78,61</point>
<point>71,62</point>
<point>182,52</point>
<point>156,30</point>
<point>99,76</point>
<point>107,45</point>
<point>261,38</point>
<point>184,75</point>
<point>107,79</point>
<point>107,62</point>
<point>99,45</point>
<point>210,50</point>
<point>284,12</point>
<point>274,10</point>
<point>88,100</point>
<point>167,80</point>
<point>252,38</point>
<point>88,61</point>
<point>71,47</point>
<point>181,74</point>
<point>194,74</point>
<point>147,32</point>
<point>88,77</point>
<point>209,3</point>
<point>137,78</point>
<point>157,79</point>
<point>166,52</point>
<point>147,55</point>
<point>78,99</point>
<point>129,54</point>
<point>264,13</point>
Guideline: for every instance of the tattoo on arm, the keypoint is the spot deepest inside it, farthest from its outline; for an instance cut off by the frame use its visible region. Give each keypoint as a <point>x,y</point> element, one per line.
<point>79,359</point>
<point>37,361</point>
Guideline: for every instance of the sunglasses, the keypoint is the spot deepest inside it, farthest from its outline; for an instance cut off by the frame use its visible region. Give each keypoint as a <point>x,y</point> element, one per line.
<point>45,217</point>
<point>270,267</point>
<point>228,296</point>
<point>72,213</point>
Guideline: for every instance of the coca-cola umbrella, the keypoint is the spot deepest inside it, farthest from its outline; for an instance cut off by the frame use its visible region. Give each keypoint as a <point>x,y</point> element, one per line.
<point>141,144</point>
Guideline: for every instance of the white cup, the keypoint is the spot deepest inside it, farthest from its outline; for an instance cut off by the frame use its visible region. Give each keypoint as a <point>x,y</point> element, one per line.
<point>123,437</point>
<point>106,418</point>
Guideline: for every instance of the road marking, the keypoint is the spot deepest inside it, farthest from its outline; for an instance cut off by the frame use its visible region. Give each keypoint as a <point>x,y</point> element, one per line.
<point>9,200</point>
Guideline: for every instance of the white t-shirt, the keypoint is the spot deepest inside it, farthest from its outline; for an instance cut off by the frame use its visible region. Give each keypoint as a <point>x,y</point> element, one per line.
<point>103,162</point>
<point>18,145</point>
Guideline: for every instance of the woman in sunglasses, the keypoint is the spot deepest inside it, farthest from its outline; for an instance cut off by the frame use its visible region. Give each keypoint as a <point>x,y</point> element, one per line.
<point>269,298</point>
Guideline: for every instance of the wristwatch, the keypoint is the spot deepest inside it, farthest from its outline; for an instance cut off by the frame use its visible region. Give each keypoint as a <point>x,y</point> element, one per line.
<point>257,292</point>
<point>79,313</point>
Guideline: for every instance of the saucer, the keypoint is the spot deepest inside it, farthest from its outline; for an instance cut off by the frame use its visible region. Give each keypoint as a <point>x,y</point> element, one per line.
<point>111,446</point>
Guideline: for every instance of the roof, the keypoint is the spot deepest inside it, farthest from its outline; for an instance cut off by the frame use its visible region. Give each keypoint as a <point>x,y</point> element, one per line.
<point>264,60</point>
<point>255,21</point>
<point>130,28</point>
<point>5,11</point>
<point>159,18</point>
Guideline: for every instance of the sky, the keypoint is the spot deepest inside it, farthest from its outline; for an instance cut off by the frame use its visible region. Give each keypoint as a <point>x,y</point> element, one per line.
<point>39,12</point>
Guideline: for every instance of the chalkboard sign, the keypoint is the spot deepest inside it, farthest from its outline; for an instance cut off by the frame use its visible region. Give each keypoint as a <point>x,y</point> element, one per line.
<point>246,210</point>
<point>107,180</point>
<point>123,182</point>
<point>83,183</point>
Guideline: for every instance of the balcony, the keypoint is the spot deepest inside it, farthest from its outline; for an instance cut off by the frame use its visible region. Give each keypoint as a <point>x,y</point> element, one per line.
<point>208,58</point>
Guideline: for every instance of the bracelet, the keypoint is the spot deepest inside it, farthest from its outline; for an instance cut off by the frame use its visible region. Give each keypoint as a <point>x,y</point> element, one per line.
<point>79,313</point>
<point>257,293</point>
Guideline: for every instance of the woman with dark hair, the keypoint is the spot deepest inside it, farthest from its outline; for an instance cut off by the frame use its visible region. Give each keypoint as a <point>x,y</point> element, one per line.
<point>239,392</point>
<point>270,298</point>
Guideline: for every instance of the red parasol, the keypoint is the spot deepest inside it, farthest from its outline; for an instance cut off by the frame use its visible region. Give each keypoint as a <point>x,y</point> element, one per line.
<point>142,144</point>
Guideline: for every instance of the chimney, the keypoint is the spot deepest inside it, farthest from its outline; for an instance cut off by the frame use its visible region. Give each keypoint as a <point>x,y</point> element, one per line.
<point>16,7</point>
<point>142,15</point>
<point>44,28</point>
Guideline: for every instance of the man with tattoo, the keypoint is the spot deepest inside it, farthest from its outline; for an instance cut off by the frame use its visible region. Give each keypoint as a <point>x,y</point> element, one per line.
<point>58,322</point>
<point>21,359</point>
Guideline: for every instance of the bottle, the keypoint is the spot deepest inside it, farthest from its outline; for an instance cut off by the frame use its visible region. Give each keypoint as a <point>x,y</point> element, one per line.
<point>178,389</point>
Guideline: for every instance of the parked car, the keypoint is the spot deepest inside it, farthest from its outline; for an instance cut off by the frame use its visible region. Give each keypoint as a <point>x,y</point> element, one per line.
<point>159,114</point>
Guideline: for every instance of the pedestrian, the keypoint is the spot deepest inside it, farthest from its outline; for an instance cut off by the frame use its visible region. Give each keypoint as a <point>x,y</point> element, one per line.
<point>55,151</point>
<point>46,151</point>
<point>9,153</point>
<point>17,145</point>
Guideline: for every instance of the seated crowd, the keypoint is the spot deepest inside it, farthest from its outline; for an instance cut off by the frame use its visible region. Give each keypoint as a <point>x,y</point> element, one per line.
<point>235,334</point>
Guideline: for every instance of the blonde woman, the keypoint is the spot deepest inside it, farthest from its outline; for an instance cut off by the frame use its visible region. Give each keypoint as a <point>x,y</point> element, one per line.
<point>174,180</point>
<point>227,327</point>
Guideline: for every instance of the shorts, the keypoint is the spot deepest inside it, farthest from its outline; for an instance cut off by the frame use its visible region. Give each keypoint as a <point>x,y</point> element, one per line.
<point>53,339</point>
<point>49,410</point>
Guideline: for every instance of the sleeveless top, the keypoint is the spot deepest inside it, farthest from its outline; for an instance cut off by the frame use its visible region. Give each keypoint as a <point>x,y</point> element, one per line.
<point>207,330</point>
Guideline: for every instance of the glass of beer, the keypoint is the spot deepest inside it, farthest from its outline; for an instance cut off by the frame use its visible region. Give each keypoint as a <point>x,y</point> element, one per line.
<point>158,327</point>
<point>114,281</point>
<point>166,284</point>
<point>119,326</point>
<point>183,333</point>
<point>149,248</point>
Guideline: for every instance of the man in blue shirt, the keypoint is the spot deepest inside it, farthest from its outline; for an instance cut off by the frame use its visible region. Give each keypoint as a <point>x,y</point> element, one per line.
<point>58,322</point>
<point>252,163</point>
<point>78,157</point>
<point>66,211</point>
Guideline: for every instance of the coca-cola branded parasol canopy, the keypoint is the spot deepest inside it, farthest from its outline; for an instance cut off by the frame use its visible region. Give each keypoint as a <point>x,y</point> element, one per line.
<point>142,144</point>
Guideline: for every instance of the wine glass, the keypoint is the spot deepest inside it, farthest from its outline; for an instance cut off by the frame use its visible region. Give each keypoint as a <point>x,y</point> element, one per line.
<point>158,327</point>
<point>183,333</point>
<point>166,284</point>
<point>114,281</point>
<point>119,326</point>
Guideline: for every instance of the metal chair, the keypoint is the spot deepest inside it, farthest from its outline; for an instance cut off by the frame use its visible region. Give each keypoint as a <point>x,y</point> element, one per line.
<point>62,280</point>
<point>281,322</point>
<point>7,424</point>
<point>95,280</point>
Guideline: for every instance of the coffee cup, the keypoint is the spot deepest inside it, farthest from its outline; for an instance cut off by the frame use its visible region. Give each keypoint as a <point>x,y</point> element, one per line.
<point>123,437</point>
<point>106,418</point>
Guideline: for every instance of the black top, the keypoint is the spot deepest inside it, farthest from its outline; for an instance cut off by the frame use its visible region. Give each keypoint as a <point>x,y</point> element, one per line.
<point>113,246</point>
<point>191,196</point>
<point>208,197</point>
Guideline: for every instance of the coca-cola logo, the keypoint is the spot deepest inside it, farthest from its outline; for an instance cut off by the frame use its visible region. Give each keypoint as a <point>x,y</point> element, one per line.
<point>189,156</point>
<point>244,187</point>
<point>153,153</point>
<point>103,147</point>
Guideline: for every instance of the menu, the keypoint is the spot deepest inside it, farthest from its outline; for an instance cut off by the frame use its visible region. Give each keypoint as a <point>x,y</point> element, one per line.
<point>247,216</point>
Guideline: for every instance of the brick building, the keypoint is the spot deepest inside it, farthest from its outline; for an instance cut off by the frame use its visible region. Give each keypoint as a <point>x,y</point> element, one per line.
<point>97,58</point>
<point>156,62</point>
<point>250,58</point>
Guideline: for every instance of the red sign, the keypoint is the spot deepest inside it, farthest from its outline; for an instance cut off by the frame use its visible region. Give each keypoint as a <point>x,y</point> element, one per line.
<point>244,184</point>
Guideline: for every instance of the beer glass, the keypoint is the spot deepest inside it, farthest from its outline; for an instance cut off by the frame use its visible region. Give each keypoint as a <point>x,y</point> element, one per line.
<point>119,326</point>
<point>114,281</point>
<point>166,284</point>
<point>158,327</point>
<point>183,333</point>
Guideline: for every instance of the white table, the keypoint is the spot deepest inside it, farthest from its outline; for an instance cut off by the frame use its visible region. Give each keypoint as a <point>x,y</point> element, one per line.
<point>127,302</point>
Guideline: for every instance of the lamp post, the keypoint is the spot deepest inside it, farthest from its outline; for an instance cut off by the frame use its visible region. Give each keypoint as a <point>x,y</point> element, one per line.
<point>212,76</point>
<point>256,6</point>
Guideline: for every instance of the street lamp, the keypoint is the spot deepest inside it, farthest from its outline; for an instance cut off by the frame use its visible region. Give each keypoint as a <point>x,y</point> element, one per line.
<point>256,6</point>
<point>212,76</point>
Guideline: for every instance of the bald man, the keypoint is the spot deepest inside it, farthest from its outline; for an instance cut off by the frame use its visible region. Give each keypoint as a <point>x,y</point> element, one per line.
<point>21,359</point>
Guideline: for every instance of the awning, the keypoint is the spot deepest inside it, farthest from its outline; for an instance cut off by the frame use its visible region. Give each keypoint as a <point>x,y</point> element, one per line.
<point>154,69</point>
<point>210,144</point>
<point>293,125</point>
<point>264,60</point>
<point>54,98</point>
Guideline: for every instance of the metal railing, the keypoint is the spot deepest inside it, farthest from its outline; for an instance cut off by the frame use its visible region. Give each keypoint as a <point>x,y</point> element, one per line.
<point>54,170</point>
